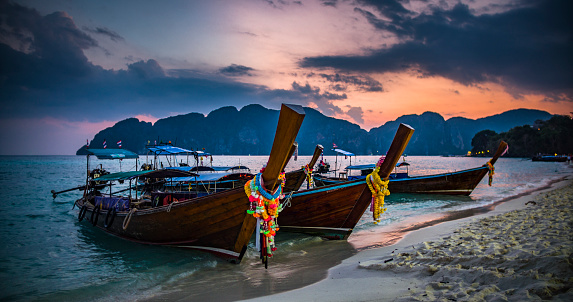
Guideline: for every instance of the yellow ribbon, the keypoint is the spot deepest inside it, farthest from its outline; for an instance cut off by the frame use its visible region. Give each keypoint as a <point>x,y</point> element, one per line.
<point>379,189</point>
<point>490,172</point>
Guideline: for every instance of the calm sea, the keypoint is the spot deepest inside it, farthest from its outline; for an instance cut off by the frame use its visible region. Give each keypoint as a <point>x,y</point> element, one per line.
<point>47,255</point>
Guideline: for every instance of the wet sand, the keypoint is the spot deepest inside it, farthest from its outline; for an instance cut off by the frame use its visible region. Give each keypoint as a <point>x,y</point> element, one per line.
<point>519,249</point>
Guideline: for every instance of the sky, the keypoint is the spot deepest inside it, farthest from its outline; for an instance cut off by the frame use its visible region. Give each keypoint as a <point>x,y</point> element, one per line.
<point>69,69</point>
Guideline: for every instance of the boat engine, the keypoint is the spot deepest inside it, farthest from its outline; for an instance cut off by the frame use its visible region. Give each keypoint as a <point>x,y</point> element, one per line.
<point>95,173</point>
<point>323,167</point>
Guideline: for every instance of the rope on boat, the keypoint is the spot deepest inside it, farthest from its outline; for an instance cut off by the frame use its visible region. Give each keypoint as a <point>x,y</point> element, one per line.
<point>169,207</point>
<point>128,218</point>
<point>287,203</point>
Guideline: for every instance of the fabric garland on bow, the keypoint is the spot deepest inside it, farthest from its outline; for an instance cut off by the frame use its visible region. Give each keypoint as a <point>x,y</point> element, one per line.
<point>265,206</point>
<point>491,172</point>
<point>379,189</point>
<point>308,171</point>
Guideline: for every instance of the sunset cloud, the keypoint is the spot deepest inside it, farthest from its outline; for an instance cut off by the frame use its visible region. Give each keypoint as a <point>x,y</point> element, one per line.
<point>527,47</point>
<point>366,61</point>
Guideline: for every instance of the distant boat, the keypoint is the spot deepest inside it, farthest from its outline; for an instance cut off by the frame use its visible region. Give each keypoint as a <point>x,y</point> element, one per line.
<point>452,183</point>
<point>550,158</point>
<point>217,223</point>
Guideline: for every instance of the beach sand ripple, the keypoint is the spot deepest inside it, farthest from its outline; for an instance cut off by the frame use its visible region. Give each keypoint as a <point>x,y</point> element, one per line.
<point>520,255</point>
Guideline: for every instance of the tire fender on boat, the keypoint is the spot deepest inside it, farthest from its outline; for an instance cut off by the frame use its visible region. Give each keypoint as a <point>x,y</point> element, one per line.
<point>82,213</point>
<point>111,212</point>
<point>95,215</point>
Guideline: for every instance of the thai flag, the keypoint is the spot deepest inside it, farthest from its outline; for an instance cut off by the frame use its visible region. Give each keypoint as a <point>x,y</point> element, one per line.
<point>119,144</point>
<point>104,144</point>
<point>87,143</point>
<point>334,145</point>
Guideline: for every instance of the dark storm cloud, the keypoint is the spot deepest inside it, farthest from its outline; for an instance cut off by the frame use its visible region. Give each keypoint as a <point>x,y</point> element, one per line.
<point>106,32</point>
<point>236,70</point>
<point>332,3</point>
<point>53,38</point>
<point>146,70</point>
<point>356,113</point>
<point>527,48</point>
<point>314,92</point>
<point>362,83</point>
<point>322,100</point>
<point>44,72</point>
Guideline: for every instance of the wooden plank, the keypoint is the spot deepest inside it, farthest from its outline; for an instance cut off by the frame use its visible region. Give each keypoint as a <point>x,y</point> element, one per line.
<point>317,152</point>
<point>401,139</point>
<point>290,120</point>
<point>502,146</point>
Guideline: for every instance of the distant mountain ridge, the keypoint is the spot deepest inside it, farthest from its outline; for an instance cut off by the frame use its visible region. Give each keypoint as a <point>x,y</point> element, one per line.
<point>250,130</point>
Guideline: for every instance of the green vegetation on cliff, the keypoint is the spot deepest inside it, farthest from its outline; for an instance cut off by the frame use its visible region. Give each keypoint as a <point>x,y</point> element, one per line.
<point>554,136</point>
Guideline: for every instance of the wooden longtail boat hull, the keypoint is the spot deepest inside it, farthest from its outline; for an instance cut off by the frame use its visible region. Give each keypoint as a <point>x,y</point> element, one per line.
<point>333,211</point>
<point>216,223</point>
<point>295,179</point>
<point>454,183</point>
<point>324,211</point>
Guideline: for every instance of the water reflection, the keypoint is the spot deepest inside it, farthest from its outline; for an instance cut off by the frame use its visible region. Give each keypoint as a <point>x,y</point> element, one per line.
<point>300,260</point>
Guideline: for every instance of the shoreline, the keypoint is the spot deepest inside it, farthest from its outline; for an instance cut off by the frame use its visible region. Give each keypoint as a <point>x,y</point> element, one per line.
<point>392,272</point>
<point>397,232</point>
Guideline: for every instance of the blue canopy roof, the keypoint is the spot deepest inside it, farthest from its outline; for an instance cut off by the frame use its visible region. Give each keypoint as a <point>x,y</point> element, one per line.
<point>216,168</point>
<point>361,167</point>
<point>205,177</point>
<point>164,173</point>
<point>344,152</point>
<point>372,166</point>
<point>168,150</point>
<point>172,150</point>
<point>209,168</point>
<point>111,153</point>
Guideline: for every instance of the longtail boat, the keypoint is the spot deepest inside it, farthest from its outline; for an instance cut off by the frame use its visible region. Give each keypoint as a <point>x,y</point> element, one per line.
<point>333,211</point>
<point>452,183</point>
<point>295,179</point>
<point>217,223</point>
<point>550,158</point>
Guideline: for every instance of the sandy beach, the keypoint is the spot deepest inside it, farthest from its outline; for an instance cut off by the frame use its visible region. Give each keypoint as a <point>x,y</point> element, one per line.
<point>521,250</point>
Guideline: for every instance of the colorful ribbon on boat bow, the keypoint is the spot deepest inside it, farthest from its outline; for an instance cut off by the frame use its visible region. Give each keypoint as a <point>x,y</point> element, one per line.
<point>379,189</point>
<point>491,172</point>
<point>308,171</point>
<point>265,206</point>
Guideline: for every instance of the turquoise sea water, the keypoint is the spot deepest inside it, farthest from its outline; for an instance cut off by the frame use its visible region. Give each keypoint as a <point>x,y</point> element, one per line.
<point>47,255</point>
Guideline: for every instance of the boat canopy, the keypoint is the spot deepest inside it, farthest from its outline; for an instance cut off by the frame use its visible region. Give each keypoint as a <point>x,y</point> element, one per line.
<point>372,166</point>
<point>163,173</point>
<point>344,152</point>
<point>168,150</point>
<point>112,153</point>
<point>201,153</point>
<point>230,168</point>
<point>361,167</point>
<point>206,177</point>
<point>210,169</point>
